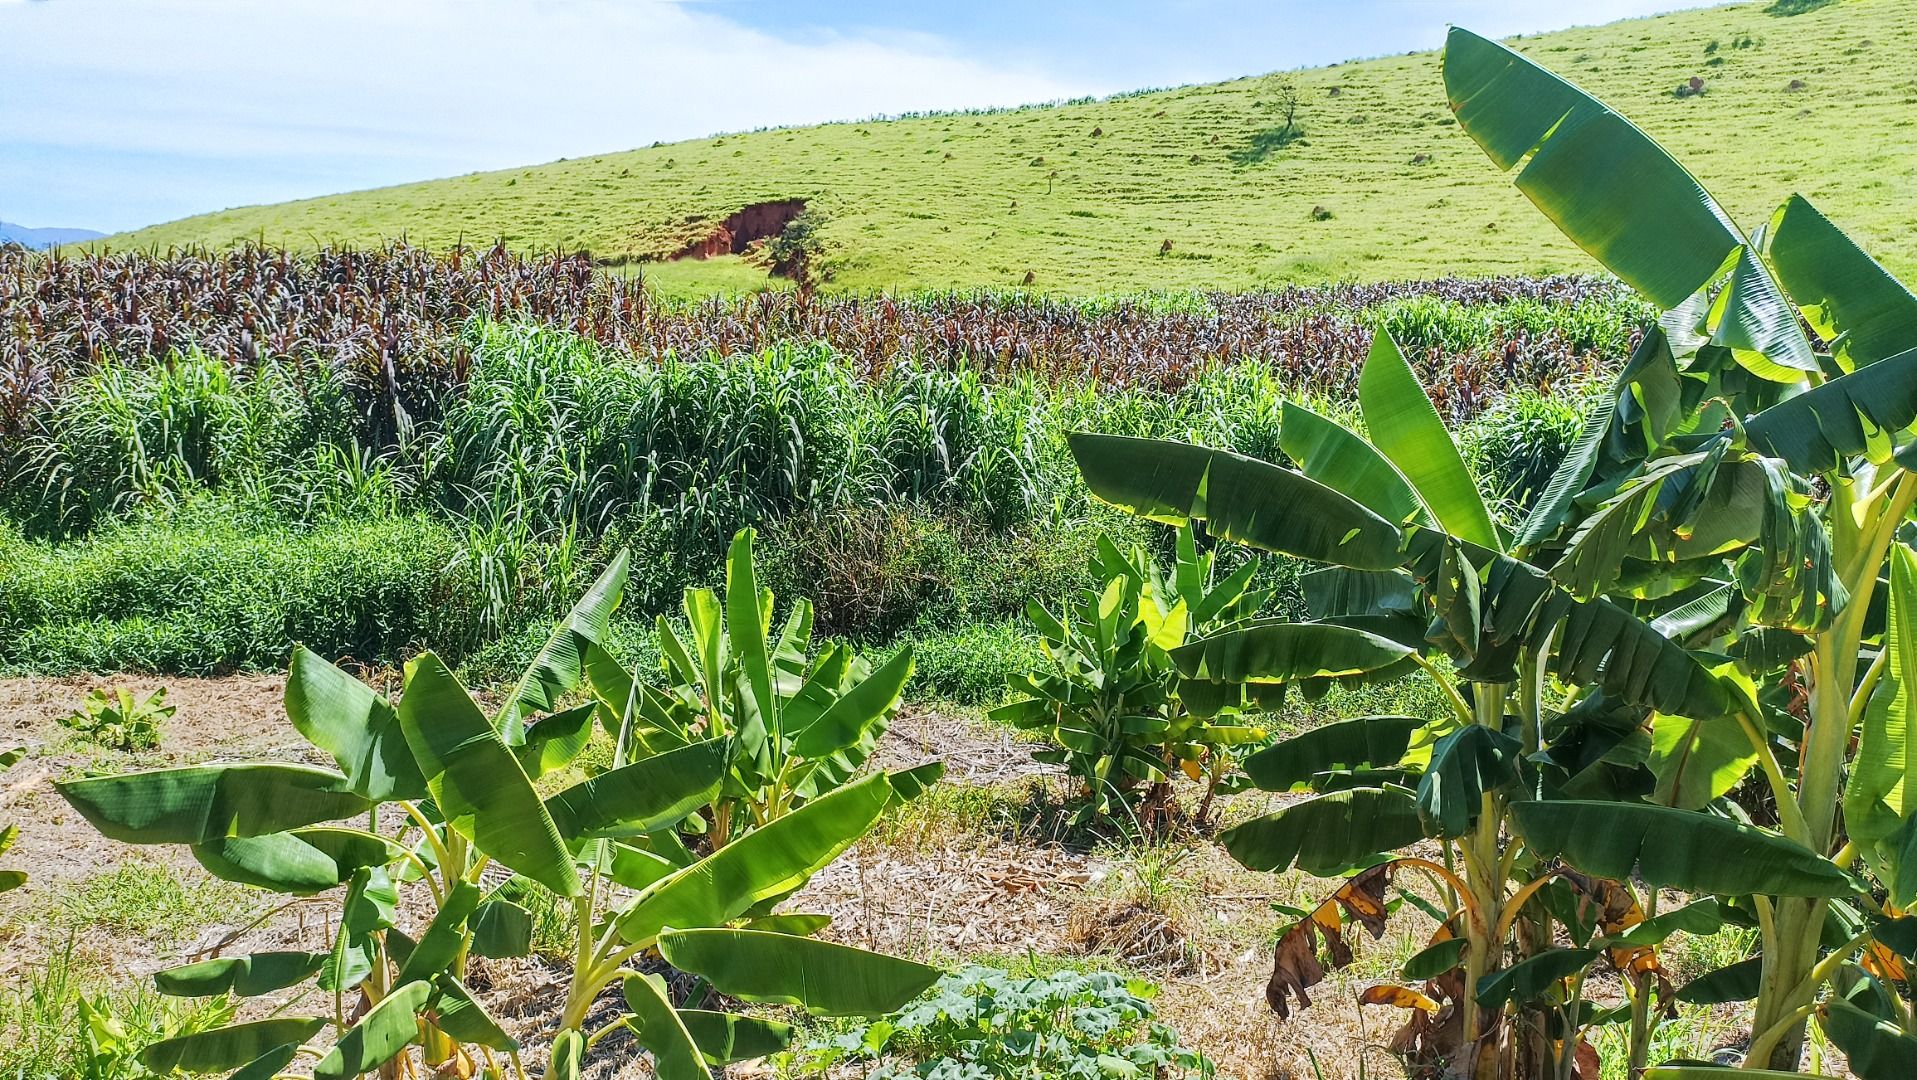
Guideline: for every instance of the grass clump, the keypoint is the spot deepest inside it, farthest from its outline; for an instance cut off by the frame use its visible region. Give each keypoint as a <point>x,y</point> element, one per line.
<point>217,588</point>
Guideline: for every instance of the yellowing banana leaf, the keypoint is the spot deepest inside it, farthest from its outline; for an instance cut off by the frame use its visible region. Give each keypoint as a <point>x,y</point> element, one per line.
<point>245,976</point>
<point>766,862</point>
<point>386,1029</point>
<point>193,804</point>
<point>477,782</point>
<point>223,1049</point>
<point>1327,835</point>
<point>1676,848</point>
<point>1614,192</point>
<point>823,978</point>
<point>301,862</point>
<point>346,718</point>
<point>1405,427</point>
<point>1239,498</point>
<point>1850,300</point>
<point>658,1028</point>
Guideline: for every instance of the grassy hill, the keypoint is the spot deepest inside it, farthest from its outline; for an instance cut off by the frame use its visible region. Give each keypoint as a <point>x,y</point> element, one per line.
<point>1085,197</point>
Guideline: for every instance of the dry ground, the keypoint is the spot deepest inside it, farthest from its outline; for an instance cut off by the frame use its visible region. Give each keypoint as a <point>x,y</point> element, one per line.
<point>984,867</point>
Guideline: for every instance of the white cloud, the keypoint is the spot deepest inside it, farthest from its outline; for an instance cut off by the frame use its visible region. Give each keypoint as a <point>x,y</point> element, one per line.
<point>221,102</point>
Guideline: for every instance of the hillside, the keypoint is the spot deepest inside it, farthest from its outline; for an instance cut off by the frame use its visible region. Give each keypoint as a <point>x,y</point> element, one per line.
<point>1188,187</point>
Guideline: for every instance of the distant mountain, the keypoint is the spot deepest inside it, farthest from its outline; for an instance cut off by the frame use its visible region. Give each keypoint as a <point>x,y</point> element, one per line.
<point>41,239</point>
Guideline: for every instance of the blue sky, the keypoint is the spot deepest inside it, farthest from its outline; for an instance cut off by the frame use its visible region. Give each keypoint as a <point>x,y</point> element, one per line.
<point>121,113</point>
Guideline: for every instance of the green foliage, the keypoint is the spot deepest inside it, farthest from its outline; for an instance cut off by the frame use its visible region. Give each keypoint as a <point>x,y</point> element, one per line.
<point>1111,700</point>
<point>461,784</point>
<point>796,725</point>
<point>981,1022</point>
<point>973,664</point>
<point>218,588</point>
<point>65,1020</point>
<point>117,719</point>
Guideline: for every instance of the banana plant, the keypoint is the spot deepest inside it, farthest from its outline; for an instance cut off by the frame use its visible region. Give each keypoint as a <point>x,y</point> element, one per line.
<point>1751,482</point>
<point>1419,575</point>
<point>429,794</point>
<point>10,879</point>
<point>1112,704</point>
<point>797,726</point>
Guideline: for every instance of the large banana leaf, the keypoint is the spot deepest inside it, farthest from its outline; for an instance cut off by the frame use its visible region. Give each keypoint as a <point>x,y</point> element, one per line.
<point>1465,765</point>
<point>562,659</point>
<point>1329,834</point>
<point>1676,848</point>
<point>1366,742</point>
<point>1337,458</point>
<point>1724,1072</point>
<point>344,717</point>
<point>459,1014</point>
<point>823,978</point>
<point>1881,798</point>
<point>302,862</point>
<point>1875,1048</point>
<point>675,1056</point>
<point>1239,498</point>
<point>554,741</point>
<point>643,797</point>
<point>223,1049</point>
<point>439,944</point>
<point>1697,761</point>
<point>1405,427</point>
<point>1850,300</point>
<point>724,1038</point>
<point>193,804</point>
<point>1618,195</point>
<point>845,722</point>
<point>748,620</point>
<point>1596,642</point>
<point>385,1030</point>
<point>1859,413</point>
<point>245,976</point>
<point>476,780</point>
<point>766,862</point>
<point>1287,652</point>
<point>1553,507</point>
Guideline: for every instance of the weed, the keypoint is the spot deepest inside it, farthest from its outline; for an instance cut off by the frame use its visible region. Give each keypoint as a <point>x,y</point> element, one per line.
<point>117,720</point>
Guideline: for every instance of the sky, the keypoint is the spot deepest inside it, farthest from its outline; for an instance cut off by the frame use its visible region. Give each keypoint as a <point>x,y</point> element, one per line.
<point>121,113</point>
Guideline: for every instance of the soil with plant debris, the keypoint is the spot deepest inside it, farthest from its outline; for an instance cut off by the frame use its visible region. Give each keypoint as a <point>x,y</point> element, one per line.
<point>986,867</point>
